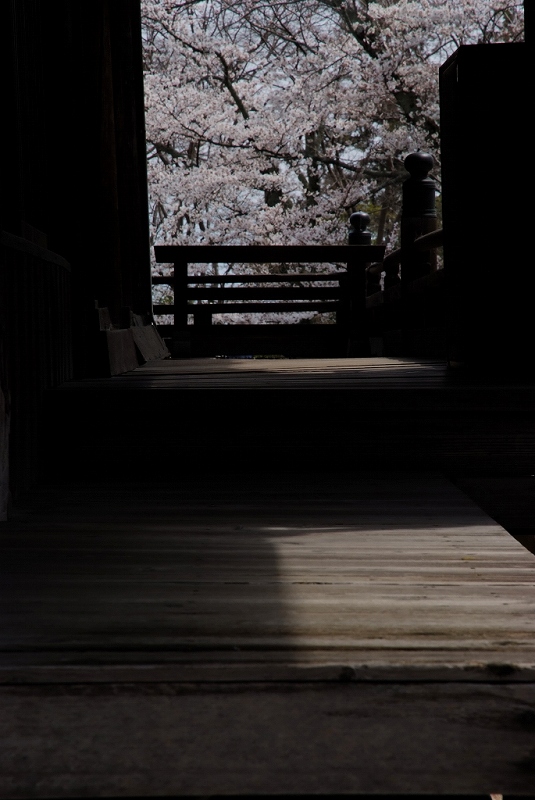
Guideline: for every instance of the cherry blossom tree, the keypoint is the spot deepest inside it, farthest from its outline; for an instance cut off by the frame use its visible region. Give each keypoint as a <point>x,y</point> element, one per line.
<point>271,121</point>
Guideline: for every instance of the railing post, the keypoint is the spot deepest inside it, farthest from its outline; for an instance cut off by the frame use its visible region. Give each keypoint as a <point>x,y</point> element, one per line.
<point>180,295</point>
<point>418,217</point>
<point>355,289</point>
<point>358,234</point>
<point>202,315</point>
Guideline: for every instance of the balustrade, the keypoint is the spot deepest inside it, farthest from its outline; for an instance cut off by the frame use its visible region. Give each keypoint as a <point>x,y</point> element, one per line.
<point>403,280</point>
<point>277,292</point>
<point>420,238</point>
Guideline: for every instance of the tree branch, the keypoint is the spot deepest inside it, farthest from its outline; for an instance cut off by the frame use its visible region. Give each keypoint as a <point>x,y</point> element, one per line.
<point>230,86</point>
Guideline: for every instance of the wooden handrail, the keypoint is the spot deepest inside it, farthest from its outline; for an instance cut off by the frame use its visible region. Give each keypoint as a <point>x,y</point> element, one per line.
<point>248,308</point>
<point>428,241</point>
<point>265,254</point>
<point>33,250</point>
<point>273,278</point>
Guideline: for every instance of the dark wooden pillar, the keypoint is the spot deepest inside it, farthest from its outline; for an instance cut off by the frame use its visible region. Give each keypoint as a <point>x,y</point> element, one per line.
<point>105,98</point>
<point>76,177</point>
<point>129,121</point>
<point>529,22</point>
<point>486,200</point>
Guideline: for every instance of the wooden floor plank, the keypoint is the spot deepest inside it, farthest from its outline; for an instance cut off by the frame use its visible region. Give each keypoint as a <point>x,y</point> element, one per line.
<point>197,372</point>
<point>369,568</point>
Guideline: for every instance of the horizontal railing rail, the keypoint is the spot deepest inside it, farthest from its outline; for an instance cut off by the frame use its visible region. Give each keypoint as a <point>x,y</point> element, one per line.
<point>428,241</point>
<point>263,254</point>
<point>250,308</point>
<point>272,278</point>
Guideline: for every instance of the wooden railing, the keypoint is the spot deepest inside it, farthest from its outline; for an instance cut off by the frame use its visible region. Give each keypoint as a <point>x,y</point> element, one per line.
<point>388,269</point>
<point>405,292</point>
<point>279,292</point>
<point>395,303</point>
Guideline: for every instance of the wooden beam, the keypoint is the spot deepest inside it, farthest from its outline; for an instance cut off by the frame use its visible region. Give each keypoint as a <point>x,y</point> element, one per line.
<point>268,254</point>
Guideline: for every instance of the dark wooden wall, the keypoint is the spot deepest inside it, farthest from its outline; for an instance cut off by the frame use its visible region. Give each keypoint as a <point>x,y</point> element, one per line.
<point>487,200</point>
<point>74,214</point>
<point>76,177</point>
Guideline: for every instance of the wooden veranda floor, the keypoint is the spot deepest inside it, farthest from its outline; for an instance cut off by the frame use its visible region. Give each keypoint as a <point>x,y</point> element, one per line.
<point>298,414</point>
<point>254,632</point>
